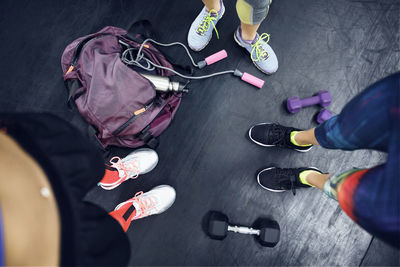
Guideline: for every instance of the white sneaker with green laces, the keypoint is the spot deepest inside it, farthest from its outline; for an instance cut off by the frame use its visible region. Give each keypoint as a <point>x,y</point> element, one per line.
<point>200,31</point>
<point>260,51</point>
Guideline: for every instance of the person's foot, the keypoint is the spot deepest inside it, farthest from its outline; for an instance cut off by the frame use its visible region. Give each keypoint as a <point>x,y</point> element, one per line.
<point>138,162</point>
<point>200,31</point>
<point>156,201</point>
<point>260,51</point>
<point>272,134</point>
<point>279,180</point>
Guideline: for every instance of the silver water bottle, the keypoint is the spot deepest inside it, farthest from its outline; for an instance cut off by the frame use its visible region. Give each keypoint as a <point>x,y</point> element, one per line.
<point>164,84</point>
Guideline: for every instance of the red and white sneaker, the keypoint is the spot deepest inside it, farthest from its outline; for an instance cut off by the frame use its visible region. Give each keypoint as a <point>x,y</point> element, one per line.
<point>140,161</point>
<point>156,201</point>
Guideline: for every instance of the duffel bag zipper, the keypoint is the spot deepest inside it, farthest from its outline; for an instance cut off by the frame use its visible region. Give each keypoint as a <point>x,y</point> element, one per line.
<point>80,47</point>
<point>158,114</point>
<point>136,115</point>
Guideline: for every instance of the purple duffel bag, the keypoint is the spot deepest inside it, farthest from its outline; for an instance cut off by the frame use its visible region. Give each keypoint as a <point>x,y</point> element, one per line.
<point>121,107</point>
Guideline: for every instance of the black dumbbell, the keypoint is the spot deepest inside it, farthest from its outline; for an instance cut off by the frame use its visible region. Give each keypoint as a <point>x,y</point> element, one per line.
<point>267,232</point>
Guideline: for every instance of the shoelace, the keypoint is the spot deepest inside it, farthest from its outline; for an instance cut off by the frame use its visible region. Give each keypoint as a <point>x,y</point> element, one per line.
<point>207,20</point>
<point>260,52</point>
<point>277,134</point>
<point>147,204</point>
<point>283,179</point>
<point>131,166</point>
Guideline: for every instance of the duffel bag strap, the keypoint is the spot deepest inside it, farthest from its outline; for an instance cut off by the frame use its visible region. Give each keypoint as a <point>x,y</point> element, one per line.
<point>148,138</point>
<point>72,86</point>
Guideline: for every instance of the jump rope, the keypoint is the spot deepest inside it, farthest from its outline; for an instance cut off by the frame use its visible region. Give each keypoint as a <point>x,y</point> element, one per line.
<point>129,58</point>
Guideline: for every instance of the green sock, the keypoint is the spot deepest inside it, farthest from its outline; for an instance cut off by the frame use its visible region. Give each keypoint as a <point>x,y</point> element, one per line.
<point>303,176</point>
<point>292,134</point>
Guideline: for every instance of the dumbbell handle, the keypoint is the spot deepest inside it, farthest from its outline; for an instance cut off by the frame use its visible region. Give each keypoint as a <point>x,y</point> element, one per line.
<point>309,101</point>
<point>243,230</point>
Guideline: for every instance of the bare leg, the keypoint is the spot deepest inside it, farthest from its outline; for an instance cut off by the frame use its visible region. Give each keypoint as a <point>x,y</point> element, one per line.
<point>314,178</point>
<point>317,179</point>
<point>249,31</point>
<point>306,137</point>
<point>212,4</point>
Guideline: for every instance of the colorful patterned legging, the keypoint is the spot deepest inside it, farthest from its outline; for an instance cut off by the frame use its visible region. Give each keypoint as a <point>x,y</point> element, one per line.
<point>371,120</point>
<point>252,11</point>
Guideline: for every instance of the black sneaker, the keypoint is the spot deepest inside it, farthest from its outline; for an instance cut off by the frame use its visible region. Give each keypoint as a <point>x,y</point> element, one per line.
<point>279,180</point>
<point>272,134</point>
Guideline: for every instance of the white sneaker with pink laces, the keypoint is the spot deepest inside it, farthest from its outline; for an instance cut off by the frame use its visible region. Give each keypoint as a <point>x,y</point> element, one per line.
<point>138,162</point>
<point>155,201</point>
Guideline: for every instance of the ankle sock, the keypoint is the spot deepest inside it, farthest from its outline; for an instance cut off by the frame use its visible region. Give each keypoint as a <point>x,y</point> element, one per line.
<point>303,176</point>
<point>110,176</point>
<point>293,141</point>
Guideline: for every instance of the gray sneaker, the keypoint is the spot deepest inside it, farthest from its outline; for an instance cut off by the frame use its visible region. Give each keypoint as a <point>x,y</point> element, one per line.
<point>200,31</point>
<point>261,53</point>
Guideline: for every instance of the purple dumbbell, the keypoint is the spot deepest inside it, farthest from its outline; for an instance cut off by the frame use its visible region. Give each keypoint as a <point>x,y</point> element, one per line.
<point>294,104</point>
<point>324,115</point>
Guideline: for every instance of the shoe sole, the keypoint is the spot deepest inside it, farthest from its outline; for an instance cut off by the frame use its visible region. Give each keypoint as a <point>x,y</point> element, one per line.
<point>277,190</point>
<point>263,71</point>
<point>197,50</point>
<point>264,145</point>
<point>266,188</point>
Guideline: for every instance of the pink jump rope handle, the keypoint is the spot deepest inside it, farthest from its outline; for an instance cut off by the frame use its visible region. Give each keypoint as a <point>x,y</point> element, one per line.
<point>213,58</point>
<point>216,57</point>
<point>243,75</point>
<point>253,80</point>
